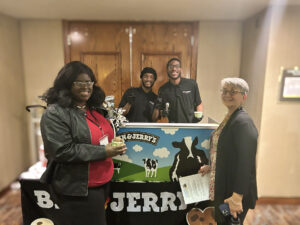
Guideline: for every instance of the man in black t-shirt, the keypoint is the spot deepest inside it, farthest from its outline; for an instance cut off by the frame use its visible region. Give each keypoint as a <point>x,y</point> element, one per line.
<point>139,103</point>
<point>181,95</point>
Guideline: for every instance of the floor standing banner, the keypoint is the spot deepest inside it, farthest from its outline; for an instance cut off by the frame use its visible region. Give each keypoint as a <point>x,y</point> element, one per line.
<point>145,188</point>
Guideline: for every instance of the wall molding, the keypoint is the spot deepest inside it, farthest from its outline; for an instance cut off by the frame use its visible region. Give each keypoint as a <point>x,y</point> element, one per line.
<point>276,200</point>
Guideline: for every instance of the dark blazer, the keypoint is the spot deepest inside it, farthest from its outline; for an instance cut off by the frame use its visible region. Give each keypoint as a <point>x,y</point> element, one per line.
<point>236,160</point>
<point>68,148</point>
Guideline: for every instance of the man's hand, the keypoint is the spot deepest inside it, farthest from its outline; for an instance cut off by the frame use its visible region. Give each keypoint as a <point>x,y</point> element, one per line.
<point>149,110</point>
<point>159,104</point>
<point>197,120</point>
<point>126,109</point>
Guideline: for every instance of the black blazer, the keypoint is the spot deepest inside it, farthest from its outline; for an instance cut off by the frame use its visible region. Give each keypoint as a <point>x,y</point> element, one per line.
<point>236,160</point>
<point>68,148</point>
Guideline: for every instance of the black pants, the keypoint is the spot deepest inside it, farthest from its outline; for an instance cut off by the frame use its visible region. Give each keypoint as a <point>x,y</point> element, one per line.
<point>84,210</point>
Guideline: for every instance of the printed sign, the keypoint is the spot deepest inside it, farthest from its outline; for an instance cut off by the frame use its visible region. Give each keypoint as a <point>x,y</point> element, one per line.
<point>145,186</point>
<point>162,154</point>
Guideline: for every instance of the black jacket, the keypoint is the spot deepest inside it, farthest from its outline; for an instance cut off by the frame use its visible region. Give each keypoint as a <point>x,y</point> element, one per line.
<point>183,99</point>
<point>68,148</point>
<point>142,104</point>
<point>236,160</point>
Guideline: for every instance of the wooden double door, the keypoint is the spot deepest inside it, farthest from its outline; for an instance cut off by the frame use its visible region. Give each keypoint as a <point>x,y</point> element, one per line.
<point>118,51</point>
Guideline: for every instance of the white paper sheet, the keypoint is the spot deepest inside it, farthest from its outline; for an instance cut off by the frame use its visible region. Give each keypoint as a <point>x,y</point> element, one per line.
<point>195,188</point>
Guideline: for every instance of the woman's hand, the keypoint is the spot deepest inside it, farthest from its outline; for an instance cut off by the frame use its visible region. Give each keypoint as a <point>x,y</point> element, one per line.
<point>204,169</point>
<point>235,204</point>
<point>112,151</point>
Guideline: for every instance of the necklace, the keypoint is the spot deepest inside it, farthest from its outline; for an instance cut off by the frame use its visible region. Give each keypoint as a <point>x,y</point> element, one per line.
<point>81,107</point>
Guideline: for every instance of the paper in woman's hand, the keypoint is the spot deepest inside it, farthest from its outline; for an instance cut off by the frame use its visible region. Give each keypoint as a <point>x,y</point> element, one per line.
<point>195,188</point>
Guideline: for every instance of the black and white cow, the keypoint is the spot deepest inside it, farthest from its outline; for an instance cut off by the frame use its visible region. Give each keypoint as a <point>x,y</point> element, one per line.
<point>117,167</point>
<point>188,160</point>
<point>150,167</point>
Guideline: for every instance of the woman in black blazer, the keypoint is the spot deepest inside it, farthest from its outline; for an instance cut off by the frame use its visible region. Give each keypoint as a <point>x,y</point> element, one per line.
<point>233,155</point>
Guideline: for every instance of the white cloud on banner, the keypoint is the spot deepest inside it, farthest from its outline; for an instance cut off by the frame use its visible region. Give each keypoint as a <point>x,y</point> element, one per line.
<point>205,144</point>
<point>123,157</point>
<point>161,152</point>
<point>171,131</point>
<point>137,148</point>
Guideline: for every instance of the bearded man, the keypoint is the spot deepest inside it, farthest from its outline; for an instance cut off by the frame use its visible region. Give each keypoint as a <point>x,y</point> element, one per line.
<point>138,103</point>
<point>180,94</point>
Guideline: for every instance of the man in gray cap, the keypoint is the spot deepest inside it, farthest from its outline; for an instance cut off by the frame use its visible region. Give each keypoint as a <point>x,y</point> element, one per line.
<point>139,103</point>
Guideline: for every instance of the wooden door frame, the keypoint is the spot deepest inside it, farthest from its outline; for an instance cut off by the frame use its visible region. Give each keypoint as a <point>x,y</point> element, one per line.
<point>194,59</point>
<point>194,50</point>
<point>67,53</point>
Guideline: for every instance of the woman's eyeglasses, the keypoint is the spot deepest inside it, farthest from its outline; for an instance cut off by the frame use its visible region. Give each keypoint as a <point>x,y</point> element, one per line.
<point>81,84</point>
<point>231,92</point>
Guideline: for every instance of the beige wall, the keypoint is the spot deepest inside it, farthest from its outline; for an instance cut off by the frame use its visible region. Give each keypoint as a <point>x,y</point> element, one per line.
<point>43,56</point>
<point>218,57</point>
<point>42,46</point>
<point>279,148</point>
<point>253,64</point>
<point>13,137</point>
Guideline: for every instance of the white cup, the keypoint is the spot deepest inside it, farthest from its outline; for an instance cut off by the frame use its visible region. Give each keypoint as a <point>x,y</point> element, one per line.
<point>198,114</point>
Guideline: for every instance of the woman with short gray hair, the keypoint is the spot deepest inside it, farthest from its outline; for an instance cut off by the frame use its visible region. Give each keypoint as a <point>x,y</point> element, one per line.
<point>233,155</point>
<point>236,82</point>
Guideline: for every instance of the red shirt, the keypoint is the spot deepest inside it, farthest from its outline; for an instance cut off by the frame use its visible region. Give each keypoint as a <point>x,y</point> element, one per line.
<point>100,172</point>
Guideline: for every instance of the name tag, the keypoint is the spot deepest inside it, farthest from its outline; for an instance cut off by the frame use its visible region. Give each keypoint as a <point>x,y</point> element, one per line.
<point>103,140</point>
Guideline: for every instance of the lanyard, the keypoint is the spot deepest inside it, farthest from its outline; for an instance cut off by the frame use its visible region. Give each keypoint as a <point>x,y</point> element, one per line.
<point>97,123</point>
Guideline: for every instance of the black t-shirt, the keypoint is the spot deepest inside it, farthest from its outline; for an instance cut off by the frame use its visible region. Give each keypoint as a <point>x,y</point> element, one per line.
<point>142,108</point>
<point>182,98</point>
